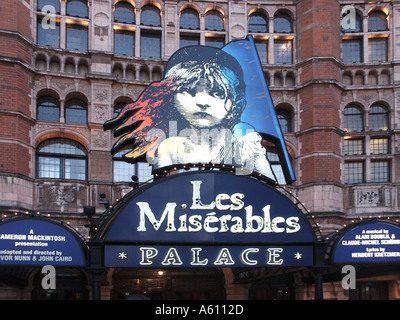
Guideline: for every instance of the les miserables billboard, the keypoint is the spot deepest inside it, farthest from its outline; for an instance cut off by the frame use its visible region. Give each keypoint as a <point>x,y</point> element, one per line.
<point>212,107</point>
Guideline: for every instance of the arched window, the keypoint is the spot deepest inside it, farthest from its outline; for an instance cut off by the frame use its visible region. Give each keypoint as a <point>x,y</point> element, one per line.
<point>282,23</point>
<point>348,25</point>
<point>61,159</point>
<point>258,22</point>
<point>41,5</point>
<point>124,13</point>
<point>118,107</point>
<point>76,111</point>
<point>77,8</point>
<point>377,21</point>
<point>150,16</point>
<point>214,21</point>
<point>377,46</point>
<point>353,119</point>
<point>285,120</point>
<point>48,109</point>
<point>378,118</point>
<point>189,19</point>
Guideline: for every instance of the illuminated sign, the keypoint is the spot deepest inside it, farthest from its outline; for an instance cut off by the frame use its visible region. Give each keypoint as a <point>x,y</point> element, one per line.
<point>369,242</point>
<point>211,107</point>
<point>208,207</point>
<point>207,256</point>
<point>202,212</point>
<point>35,241</point>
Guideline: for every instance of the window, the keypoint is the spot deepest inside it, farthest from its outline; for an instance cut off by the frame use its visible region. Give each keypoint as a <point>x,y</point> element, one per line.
<point>258,23</point>
<point>189,19</point>
<point>353,146</point>
<point>377,21</point>
<point>48,35</point>
<point>377,50</point>
<point>379,145</point>
<point>150,44</point>
<point>70,31</point>
<point>150,39</point>
<point>354,172</point>
<point>48,109</point>
<point>118,107</point>
<point>376,158</point>
<point>380,171</point>
<point>61,159</point>
<point>352,51</point>
<point>150,16</point>
<point>282,23</point>
<point>76,111</point>
<point>77,8</point>
<point>217,42</point>
<point>262,49</point>
<point>124,42</point>
<point>283,51</point>
<point>123,171</point>
<point>214,21</point>
<point>378,42</point>
<point>353,119</point>
<point>352,26</point>
<point>41,5</point>
<point>144,171</point>
<point>376,36</point>
<point>285,120</point>
<point>378,118</point>
<point>276,167</point>
<point>188,40</point>
<point>272,47</point>
<point>77,37</point>
<point>124,13</point>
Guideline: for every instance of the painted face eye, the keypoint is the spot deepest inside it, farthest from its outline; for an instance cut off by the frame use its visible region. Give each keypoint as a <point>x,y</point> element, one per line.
<point>217,92</point>
<point>187,89</point>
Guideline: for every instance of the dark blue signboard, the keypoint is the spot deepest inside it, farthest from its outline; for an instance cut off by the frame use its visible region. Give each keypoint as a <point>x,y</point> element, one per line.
<point>209,207</point>
<point>209,214</point>
<point>36,241</point>
<point>207,256</point>
<point>369,242</point>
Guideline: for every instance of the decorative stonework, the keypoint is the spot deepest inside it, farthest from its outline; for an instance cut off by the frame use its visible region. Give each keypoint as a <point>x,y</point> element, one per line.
<point>381,197</point>
<point>100,140</point>
<point>368,197</point>
<point>62,198</point>
<point>61,195</point>
<point>100,113</point>
<point>101,93</point>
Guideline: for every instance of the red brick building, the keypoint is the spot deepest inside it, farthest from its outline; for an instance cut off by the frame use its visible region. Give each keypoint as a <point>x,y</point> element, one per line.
<point>66,66</point>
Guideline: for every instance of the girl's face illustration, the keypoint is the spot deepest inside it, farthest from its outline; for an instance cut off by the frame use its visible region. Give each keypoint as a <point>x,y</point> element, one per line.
<point>206,99</point>
<point>204,107</point>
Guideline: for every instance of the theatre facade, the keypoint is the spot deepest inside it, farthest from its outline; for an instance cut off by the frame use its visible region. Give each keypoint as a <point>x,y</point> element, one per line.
<point>199,150</point>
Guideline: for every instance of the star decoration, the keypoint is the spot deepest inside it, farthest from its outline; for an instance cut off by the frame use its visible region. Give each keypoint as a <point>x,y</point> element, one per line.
<point>297,255</point>
<point>123,255</point>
